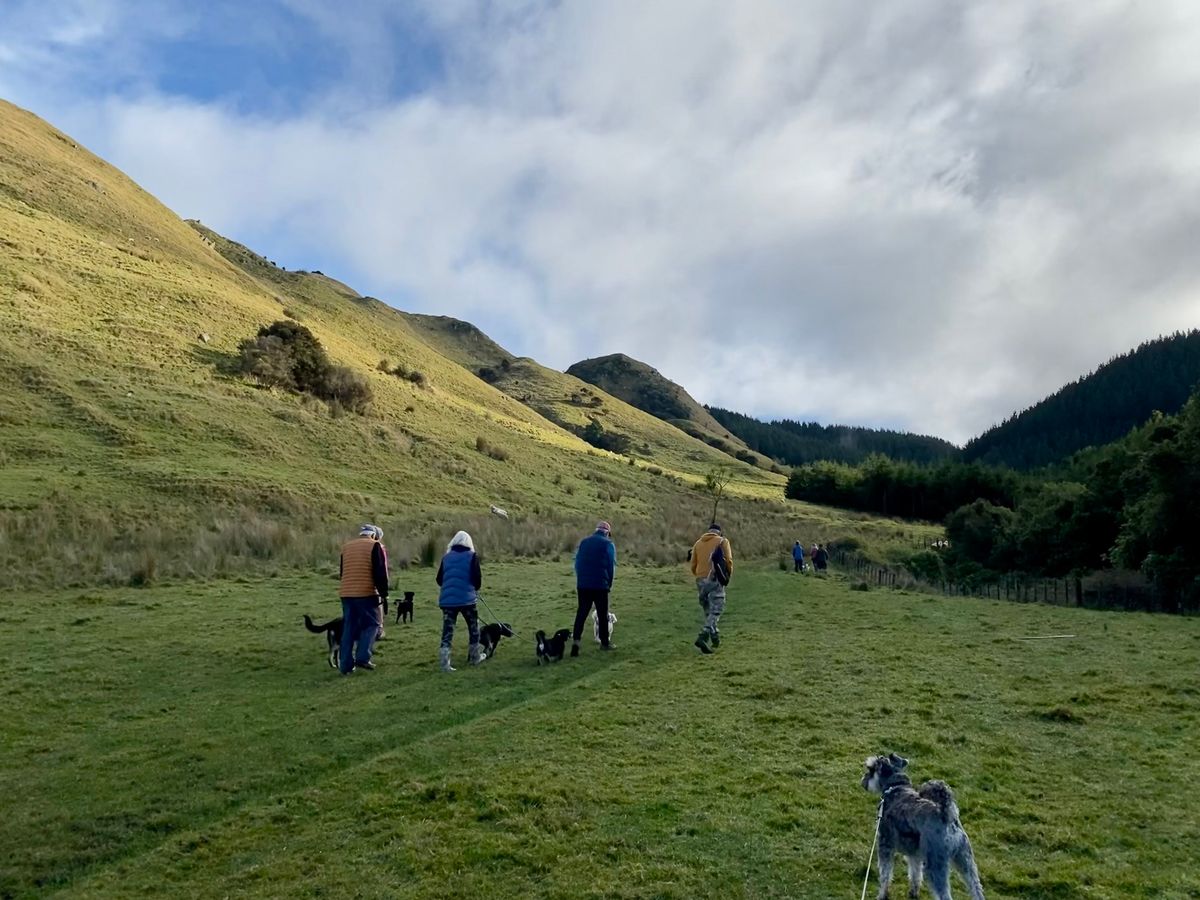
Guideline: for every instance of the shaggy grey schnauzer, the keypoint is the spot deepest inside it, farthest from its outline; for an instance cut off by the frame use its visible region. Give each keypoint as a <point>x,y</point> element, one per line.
<point>922,824</point>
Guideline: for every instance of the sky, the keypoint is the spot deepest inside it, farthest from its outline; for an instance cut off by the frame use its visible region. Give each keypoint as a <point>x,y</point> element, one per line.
<point>924,215</point>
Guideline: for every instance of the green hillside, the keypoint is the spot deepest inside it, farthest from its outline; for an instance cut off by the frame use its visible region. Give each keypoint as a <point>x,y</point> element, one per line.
<point>1097,409</point>
<point>799,443</point>
<point>567,400</point>
<point>644,387</point>
<point>132,448</point>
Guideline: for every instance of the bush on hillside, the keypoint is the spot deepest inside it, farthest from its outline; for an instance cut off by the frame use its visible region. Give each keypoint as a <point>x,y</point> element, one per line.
<point>613,441</point>
<point>287,355</point>
<point>345,386</point>
<point>488,449</point>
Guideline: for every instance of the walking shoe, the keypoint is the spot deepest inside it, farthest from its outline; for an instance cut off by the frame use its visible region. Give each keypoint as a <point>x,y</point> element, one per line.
<point>609,646</point>
<point>702,642</point>
<point>716,640</point>
<point>369,666</point>
<point>575,648</point>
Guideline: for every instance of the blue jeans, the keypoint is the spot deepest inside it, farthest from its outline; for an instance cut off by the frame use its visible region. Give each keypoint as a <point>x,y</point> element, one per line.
<point>360,623</point>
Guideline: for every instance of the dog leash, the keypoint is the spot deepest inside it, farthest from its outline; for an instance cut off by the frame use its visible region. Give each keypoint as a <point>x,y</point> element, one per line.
<point>479,597</point>
<point>874,841</point>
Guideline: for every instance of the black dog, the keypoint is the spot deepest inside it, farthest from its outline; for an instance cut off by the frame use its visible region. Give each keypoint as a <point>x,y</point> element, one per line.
<point>551,649</point>
<point>489,637</point>
<point>405,607</point>
<point>333,635</point>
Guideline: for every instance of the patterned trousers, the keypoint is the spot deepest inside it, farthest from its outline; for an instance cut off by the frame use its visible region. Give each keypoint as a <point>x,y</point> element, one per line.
<point>712,601</point>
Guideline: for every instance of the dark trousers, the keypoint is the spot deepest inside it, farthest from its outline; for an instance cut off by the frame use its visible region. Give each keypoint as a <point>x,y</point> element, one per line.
<point>799,564</point>
<point>360,623</point>
<point>589,597</point>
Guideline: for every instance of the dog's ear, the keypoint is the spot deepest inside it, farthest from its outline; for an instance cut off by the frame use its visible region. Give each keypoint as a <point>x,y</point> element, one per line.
<point>899,762</point>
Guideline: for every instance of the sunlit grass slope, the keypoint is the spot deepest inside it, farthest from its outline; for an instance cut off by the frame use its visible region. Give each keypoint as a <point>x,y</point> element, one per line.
<point>572,403</point>
<point>160,743</point>
<point>121,416</point>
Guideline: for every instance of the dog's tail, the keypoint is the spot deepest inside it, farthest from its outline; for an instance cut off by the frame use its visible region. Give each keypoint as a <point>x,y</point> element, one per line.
<point>316,629</point>
<point>939,794</point>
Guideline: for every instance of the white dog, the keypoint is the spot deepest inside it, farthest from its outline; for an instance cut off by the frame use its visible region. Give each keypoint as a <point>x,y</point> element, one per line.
<point>497,511</point>
<point>612,620</point>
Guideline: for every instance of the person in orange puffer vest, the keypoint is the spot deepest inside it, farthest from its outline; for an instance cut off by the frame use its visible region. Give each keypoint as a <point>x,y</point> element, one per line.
<point>364,587</point>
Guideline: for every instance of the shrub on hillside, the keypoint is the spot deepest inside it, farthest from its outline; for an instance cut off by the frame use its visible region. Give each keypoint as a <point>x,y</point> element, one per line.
<point>487,449</point>
<point>613,441</point>
<point>345,386</point>
<point>287,355</point>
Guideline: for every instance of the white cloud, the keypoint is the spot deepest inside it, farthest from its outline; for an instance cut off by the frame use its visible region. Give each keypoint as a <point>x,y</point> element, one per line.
<point>923,215</point>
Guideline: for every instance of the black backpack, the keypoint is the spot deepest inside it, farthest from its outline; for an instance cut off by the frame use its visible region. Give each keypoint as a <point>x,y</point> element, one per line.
<point>720,568</point>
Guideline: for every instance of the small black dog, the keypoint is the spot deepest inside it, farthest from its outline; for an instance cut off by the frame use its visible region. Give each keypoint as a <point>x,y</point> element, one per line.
<point>333,635</point>
<point>405,607</point>
<point>489,637</point>
<point>551,649</point>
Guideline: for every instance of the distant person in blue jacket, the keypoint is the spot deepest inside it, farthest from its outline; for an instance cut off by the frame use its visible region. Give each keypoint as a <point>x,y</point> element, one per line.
<point>595,565</point>
<point>798,556</point>
<point>460,578</point>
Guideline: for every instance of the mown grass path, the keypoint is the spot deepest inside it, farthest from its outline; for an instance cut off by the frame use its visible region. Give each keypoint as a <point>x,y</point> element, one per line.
<point>190,741</point>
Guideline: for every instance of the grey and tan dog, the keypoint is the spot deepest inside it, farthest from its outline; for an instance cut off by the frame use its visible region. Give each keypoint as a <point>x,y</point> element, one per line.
<point>922,823</point>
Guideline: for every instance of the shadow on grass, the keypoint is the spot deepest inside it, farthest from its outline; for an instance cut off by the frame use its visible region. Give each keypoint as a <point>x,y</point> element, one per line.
<point>227,365</point>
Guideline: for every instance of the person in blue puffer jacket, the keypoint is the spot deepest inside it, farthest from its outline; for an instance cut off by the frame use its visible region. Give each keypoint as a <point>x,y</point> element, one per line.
<point>460,577</point>
<point>595,565</point>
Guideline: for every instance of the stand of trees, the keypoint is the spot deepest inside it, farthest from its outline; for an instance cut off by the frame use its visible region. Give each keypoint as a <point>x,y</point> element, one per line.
<point>1097,409</point>
<point>1134,503</point>
<point>797,443</point>
<point>888,488</point>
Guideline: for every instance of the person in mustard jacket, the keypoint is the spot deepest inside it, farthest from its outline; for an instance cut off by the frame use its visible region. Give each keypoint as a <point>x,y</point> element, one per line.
<point>712,566</point>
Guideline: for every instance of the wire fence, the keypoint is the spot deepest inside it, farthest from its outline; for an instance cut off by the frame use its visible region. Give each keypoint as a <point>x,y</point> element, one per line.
<point>1099,590</point>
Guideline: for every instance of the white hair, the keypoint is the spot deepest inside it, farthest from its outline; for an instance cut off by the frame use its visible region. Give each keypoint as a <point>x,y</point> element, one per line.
<point>460,539</point>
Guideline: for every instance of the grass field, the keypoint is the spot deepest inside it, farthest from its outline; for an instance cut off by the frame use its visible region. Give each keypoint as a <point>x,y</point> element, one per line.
<point>190,741</point>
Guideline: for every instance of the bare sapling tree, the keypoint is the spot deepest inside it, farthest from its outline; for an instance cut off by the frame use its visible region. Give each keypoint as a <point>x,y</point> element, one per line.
<point>716,480</point>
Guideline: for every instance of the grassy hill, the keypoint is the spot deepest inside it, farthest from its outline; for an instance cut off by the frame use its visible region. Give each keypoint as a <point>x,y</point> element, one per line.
<point>131,449</point>
<point>567,400</point>
<point>645,387</point>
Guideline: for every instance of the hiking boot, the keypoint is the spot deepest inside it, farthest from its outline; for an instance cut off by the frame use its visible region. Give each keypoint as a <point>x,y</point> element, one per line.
<point>702,643</point>
<point>609,646</point>
<point>369,666</point>
<point>716,640</point>
<point>575,648</point>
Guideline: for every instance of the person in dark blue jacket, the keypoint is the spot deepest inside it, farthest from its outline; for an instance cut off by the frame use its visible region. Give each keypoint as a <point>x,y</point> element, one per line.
<point>595,565</point>
<point>460,578</point>
<point>798,556</point>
